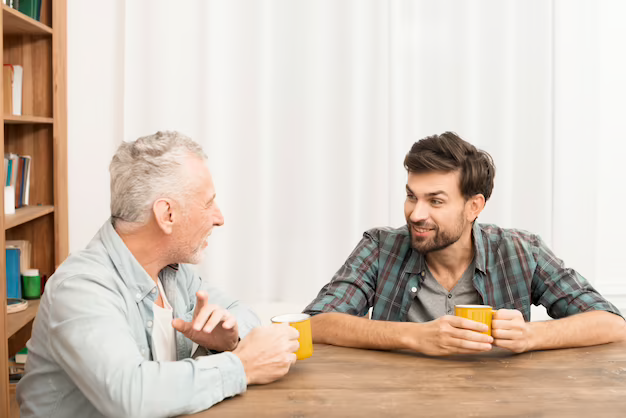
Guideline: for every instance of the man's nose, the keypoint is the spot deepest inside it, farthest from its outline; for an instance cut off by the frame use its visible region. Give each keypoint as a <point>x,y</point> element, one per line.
<point>218,218</point>
<point>420,212</point>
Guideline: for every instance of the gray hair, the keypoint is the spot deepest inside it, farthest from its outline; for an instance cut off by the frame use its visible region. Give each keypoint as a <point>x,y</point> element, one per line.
<point>147,169</point>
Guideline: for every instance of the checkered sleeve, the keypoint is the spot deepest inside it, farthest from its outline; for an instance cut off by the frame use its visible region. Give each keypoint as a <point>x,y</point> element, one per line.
<point>563,291</point>
<point>353,287</point>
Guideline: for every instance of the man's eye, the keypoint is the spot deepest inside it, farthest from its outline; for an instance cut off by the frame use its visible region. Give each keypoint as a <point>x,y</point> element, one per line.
<point>436,202</point>
<point>410,197</point>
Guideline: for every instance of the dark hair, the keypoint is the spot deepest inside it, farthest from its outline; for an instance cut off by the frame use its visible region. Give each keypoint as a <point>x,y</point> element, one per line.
<point>448,152</point>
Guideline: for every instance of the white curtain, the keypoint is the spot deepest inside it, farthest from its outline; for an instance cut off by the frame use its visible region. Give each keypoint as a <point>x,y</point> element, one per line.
<point>307,108</point>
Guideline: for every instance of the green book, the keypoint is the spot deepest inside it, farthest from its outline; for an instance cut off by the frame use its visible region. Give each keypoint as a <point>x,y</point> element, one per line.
<point>29,8</point>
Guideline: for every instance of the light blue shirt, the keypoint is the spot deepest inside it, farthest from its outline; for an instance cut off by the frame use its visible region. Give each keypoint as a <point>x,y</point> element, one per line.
<point>91,352</point>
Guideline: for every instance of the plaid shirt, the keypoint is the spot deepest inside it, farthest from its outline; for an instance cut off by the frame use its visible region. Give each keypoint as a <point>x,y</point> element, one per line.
<point>513,269</point>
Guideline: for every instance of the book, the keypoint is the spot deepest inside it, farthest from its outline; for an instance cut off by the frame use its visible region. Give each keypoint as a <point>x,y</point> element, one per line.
<point>25,251</point>
<point>29,8</point>
<point>19,185</point>
<point>26,195</point>
<point>13,276</point>
<point>12,82</point>
<point>17,175</point>
<point>21,356</point>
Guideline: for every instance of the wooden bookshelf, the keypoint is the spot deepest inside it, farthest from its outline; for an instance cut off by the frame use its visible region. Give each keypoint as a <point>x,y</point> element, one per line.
<point>40,48</point>
<point>16,321</point>
<point>16,23</point>
<point>20,120</point>
<point>26,214</point>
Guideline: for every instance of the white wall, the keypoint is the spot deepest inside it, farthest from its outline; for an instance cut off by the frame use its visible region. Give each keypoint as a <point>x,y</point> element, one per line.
<point>95,66</point>
<point>560,58</point>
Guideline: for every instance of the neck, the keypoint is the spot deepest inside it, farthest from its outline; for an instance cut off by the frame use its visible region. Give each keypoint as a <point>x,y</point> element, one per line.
<point>145,244</point>
<point>454,259</point>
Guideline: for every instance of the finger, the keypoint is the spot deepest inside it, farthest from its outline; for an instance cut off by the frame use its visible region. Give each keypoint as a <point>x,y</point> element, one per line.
<point>506,334</point>
<point>202,299</point>
<point>229,323</point>
<point>507,314</point>
<point>181,326</point>
<point>463,334</point>
<point>505,324</point>
<point>202,316</point>
<point>464,323</point>
<point>469,345</point>
<point>216,317</point>
<point>294,346</point>
<point>291,332</point>
<point>508,344</point>
<point>292,358</point>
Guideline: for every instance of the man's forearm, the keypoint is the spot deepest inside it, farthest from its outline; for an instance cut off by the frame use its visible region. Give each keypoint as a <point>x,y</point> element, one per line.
<point>352,331</point>
<point>585,329</point>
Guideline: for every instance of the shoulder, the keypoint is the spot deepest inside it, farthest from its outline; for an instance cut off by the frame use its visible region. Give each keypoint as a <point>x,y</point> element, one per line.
<point>388,238</point>
<point>511,239</point>
<point>90,270</point>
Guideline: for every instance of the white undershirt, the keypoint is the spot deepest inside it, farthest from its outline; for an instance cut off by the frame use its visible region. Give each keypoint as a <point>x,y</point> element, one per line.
<point>163,334</point>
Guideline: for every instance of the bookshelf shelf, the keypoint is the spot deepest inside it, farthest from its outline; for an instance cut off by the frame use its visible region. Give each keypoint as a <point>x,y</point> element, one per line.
<point>22,120</point>
<point>16,23</point>
<point>26,214</point>
<point>17,321</point>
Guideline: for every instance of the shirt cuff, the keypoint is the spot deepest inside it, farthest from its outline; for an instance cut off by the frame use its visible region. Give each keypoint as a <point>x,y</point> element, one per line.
<point>234,380</point>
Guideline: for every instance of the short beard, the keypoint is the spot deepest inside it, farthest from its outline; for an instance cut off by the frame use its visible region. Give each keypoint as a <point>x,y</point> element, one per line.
<point>440,241</point>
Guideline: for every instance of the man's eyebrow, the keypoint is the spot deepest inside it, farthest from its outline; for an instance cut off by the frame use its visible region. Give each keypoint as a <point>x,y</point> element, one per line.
<point>438,192</point>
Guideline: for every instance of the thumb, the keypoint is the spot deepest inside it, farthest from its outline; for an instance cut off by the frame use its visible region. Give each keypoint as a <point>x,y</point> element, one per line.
<point>181,326</point>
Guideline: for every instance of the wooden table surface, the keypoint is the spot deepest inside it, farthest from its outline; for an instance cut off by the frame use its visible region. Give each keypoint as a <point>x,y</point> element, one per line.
<point>345,382</point>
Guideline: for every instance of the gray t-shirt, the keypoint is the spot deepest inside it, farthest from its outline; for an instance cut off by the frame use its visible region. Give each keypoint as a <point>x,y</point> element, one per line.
<point>432,300</point>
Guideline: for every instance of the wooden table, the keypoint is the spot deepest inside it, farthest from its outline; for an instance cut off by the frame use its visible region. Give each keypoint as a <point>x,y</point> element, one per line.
<point>345,382</point>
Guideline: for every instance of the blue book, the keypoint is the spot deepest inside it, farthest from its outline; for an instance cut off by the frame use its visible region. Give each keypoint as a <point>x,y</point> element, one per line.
<point>14,284</point>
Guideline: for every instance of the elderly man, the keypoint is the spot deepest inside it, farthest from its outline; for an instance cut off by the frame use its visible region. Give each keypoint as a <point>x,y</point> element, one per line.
<point>120,321</point>
<point>413,276</point>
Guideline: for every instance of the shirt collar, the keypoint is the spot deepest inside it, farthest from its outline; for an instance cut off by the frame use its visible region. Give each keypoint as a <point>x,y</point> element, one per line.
<point>131,272</point>
<point>479,247</point>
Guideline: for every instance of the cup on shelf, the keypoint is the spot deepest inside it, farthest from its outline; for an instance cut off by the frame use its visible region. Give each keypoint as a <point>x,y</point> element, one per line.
<point>31,288</point>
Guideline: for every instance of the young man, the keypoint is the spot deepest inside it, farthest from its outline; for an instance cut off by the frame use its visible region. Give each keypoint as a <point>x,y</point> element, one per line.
<point>120,321</point>
<point>413,276</point>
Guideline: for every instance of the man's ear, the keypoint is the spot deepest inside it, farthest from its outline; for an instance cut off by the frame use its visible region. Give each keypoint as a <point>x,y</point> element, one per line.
<point>474,206</point>
<point>164,214</point>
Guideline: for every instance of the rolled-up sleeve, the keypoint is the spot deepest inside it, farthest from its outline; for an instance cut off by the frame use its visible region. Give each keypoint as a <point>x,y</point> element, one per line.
<point>353,287</point>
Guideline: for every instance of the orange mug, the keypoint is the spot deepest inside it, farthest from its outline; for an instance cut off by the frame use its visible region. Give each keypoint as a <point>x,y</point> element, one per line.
<point>478,313</point>
<point>301,322</point>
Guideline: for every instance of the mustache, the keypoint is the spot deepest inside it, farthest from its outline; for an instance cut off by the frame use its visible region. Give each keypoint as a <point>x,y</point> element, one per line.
<point>423,225</point>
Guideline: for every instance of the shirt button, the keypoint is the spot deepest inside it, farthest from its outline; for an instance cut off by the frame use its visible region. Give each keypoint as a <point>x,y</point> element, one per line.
<point>149,324</point>
<point>414,290</point>
<point>449,295</point>
<point>422,274</point>
<point>138,295</point>
<point>153,291</point>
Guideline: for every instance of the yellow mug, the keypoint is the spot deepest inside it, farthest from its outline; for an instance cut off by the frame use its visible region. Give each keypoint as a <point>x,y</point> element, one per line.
<point>478,313</point>
<point>301,322</point>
